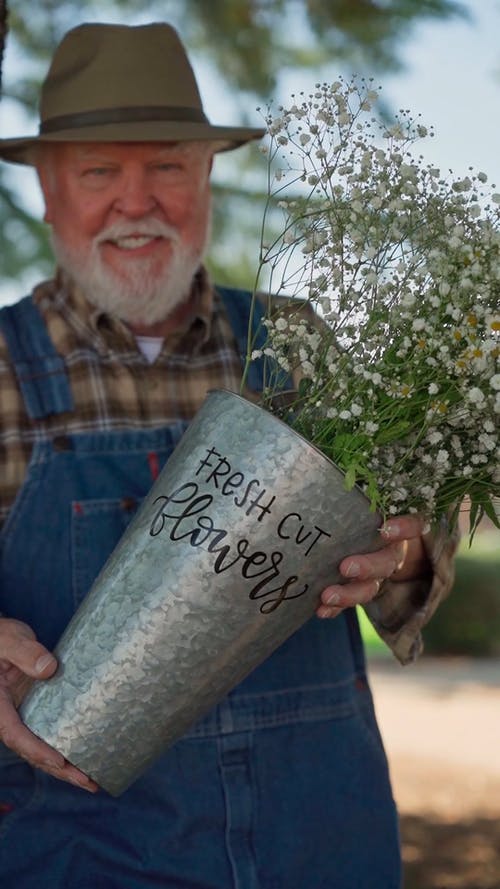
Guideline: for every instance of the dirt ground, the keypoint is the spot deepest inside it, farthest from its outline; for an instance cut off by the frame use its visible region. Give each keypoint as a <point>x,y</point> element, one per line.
<point>440,720</point>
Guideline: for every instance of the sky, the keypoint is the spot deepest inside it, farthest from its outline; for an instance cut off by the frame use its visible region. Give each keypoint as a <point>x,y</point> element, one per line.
<point>452,78</point>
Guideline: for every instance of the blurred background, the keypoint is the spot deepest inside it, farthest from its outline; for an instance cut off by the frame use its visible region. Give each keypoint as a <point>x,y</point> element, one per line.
<point>440,59</point>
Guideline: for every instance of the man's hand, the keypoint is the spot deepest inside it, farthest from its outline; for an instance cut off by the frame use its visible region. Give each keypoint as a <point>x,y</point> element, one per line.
<point>23,659</point>
<point>401,558</point>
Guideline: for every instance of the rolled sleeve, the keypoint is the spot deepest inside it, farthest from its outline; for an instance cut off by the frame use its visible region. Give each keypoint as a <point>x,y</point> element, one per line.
<point>403,608</point>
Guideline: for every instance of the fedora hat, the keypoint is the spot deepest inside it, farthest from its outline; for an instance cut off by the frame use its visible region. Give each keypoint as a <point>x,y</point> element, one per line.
<point>116,83</point>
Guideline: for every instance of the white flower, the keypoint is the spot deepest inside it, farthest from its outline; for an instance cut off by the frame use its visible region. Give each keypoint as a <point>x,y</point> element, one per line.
<point>462,184</point>
<point>476,395</point>
<point>495,382</point>
<point>427,491</point>
<point>435,437</point>
<point>442,457</point>
<point>487,442</point>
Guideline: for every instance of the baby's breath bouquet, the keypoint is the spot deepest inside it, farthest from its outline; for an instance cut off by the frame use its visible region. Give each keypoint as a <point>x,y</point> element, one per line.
<point>400,369</point>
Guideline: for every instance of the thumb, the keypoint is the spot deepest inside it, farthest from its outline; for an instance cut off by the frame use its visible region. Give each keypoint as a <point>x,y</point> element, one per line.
<point>19,647</point>
<point>41,663</point>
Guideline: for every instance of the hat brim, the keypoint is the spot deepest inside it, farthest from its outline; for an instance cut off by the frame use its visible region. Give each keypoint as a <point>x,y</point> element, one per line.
<point>21,150</point>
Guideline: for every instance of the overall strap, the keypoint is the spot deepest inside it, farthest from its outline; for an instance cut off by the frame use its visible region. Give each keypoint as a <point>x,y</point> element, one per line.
<point>40,371</point>
<point>237,304</point>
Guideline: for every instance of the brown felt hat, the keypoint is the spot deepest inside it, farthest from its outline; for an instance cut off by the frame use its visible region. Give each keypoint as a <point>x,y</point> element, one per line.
<point>115,83</point>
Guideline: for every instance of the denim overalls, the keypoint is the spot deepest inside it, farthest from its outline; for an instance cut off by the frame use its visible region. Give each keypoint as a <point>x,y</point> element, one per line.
<point>284,785</point>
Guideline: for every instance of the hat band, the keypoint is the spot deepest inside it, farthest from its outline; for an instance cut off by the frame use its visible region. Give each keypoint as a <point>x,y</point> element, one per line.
<point>129,114</point>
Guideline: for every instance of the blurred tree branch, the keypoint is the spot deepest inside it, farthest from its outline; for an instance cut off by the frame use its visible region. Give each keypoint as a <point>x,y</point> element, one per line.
<point>3,34</point>
<point>249,43</point>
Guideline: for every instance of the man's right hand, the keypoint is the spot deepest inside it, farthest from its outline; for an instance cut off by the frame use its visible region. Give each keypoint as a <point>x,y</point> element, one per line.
<point>23,659</point>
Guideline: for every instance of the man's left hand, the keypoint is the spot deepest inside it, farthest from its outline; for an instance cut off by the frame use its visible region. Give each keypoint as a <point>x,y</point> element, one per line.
<point>402,557</point>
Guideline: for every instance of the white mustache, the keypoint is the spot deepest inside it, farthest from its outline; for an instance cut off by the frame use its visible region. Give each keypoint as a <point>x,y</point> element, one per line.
<point>147,227</point>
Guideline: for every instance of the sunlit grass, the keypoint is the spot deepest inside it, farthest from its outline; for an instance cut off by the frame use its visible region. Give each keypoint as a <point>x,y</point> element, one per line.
<point>373,642</point>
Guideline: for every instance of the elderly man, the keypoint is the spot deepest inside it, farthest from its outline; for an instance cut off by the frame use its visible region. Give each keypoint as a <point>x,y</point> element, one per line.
<point>101,370</point>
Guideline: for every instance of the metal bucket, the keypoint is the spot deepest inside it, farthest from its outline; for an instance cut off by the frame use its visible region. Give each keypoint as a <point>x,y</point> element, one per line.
<point>225,559</point>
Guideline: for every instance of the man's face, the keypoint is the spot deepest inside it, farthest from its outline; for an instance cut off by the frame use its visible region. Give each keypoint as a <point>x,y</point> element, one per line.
<point>129,220</point>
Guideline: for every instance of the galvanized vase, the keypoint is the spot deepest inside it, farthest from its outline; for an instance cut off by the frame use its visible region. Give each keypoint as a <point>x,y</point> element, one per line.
<point>225,559</point>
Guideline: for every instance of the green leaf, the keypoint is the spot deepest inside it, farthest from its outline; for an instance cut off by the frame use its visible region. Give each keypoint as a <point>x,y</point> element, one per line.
<point>350,478</point>
<point>393,432</point>
<point>304,388</point>
<point>491,513</point>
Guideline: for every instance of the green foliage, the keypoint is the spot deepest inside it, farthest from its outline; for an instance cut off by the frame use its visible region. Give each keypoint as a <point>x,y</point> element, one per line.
<point>468,622</point>
<point>24,238</point>
<point>255,39</point>
<point>248,45</point>
<point>373,643</point>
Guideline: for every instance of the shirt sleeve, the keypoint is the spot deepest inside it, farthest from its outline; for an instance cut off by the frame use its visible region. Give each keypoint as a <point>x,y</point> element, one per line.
<point>402,608</point>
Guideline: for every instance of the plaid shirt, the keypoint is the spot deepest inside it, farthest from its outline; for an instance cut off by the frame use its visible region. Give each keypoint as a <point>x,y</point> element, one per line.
<point>123,391</point>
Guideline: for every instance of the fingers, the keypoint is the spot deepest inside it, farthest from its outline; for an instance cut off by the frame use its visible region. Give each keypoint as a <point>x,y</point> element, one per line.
<point>339,596</point>
<point>19,647</point>
<point>401,556</point>
<point>380,564</point>
<point>404,527</point>
<point>399,536</point>
<point>18,738</point>
<point>22,657</point>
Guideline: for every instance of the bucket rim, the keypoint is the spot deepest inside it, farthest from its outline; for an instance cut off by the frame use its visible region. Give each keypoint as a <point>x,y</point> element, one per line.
<point>258,407</point>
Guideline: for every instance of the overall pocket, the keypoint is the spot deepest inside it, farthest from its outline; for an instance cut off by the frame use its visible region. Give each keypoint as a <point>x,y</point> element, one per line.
<point>96,528</point>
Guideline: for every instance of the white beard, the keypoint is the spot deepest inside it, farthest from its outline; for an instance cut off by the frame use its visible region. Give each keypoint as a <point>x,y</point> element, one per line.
<point>138,295</point>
